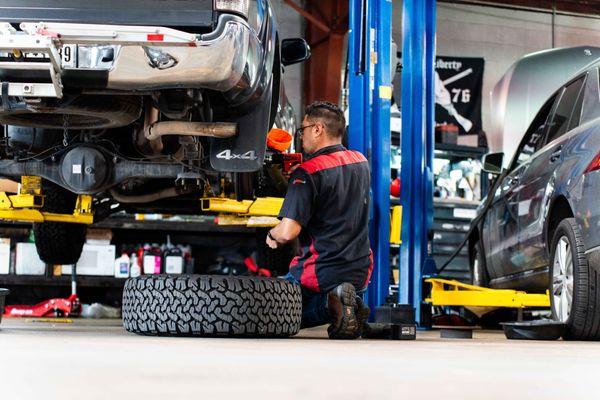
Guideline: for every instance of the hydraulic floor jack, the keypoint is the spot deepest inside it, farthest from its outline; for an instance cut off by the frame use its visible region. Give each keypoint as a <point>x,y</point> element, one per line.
<point>59,308</point>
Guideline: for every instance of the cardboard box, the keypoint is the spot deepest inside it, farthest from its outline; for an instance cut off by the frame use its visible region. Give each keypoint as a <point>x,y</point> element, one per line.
<point>98,236</point>
<point>4,256</point>
<point>27,261</point>
<point>98,260</point>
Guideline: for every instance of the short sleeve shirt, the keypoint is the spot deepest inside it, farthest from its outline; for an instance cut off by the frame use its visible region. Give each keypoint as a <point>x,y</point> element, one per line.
<point>328,195</point>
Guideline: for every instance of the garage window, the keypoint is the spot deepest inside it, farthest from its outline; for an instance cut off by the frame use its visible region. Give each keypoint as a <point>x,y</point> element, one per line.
<point>591,97</point>
<point>568,105</point>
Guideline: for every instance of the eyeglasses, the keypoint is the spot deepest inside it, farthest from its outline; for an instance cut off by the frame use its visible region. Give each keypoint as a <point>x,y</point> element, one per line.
<point>300,130</point>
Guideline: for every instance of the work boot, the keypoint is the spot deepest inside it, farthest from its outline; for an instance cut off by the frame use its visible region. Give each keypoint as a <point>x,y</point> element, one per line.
<point>341,304</point>
<point>362,316</point>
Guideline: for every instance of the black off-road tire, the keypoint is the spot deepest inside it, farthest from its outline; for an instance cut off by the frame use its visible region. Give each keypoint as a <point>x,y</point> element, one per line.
<point>85,112</point>
<point>244,184</point>
<point>58,242</point>
<point>584,319</point>
<point>479,274</point>
<point>211,305</point>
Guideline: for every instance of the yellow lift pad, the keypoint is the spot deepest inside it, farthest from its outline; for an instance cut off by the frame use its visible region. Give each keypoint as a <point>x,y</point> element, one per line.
<point>261,212</point>
<point>262,206</point>
<point>445,292</point>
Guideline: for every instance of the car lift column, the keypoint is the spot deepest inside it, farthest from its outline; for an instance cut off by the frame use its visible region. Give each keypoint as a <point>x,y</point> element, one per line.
<point>370,94</point>
<point>418,108</point>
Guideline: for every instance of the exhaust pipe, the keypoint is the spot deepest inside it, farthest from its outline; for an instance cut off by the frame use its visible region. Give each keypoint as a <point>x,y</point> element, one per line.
<point>150,197</point>
<point>221,130</point>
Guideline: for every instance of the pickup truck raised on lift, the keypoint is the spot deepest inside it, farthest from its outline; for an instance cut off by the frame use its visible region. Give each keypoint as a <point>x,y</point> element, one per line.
<point>143,104</point>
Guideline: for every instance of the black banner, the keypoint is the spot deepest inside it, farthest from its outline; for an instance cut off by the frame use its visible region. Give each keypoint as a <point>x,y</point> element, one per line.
<point>458,85</point>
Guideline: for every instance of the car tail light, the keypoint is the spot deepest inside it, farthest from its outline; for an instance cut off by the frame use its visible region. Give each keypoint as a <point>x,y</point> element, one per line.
<point>236,6</point>
<point>594,165</point>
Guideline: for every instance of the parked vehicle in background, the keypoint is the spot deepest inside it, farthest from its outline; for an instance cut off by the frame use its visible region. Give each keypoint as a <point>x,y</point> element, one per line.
<point>144,104</point>
<point>542,228</point>
<point>527,84</point>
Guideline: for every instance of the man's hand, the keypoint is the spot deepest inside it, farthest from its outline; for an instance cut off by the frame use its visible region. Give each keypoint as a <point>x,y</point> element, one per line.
<point>272,243</point>
<point>285,232</point>
<point>288,173</point>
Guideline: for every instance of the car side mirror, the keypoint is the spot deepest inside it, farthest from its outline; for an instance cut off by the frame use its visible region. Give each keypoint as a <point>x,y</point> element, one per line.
<point>492,163</point>
<point>294,51</point>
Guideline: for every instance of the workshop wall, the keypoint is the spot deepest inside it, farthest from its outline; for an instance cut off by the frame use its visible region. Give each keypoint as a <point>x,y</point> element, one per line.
<point>291,24</point>
<point>501,37</point>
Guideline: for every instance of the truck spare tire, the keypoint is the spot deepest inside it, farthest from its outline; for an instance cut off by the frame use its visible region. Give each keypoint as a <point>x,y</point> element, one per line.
<point>84,112</point>
<point>211,305</point>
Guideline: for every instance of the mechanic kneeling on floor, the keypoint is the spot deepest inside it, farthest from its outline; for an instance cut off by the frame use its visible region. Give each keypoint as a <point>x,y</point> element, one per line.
<point>327,206</point>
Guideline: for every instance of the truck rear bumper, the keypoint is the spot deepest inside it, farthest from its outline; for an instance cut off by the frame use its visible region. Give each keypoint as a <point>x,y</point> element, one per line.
<point>135,58</point>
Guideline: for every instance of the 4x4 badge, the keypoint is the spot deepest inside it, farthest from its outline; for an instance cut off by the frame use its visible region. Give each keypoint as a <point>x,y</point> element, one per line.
<point>228,155</point>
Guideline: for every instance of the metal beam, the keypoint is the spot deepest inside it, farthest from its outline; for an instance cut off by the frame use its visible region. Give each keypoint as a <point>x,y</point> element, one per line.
<point>369,125</point>
<point>381,156</point>
<point>315,20</point>
<point>418,48</point>
<point>358,77</point>
<point>327,25</point>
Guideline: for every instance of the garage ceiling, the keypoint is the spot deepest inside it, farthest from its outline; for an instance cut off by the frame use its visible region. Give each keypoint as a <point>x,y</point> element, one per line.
<point>590,7</point>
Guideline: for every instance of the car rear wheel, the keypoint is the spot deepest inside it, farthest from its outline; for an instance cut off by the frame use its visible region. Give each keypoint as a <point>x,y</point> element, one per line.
<point>574,287</point>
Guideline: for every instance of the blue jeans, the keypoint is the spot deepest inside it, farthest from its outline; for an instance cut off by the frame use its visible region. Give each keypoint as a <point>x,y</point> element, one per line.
<point>314,305</point>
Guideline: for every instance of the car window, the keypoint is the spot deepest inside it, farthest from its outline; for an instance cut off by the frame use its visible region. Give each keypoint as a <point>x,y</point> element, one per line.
<point>591,97</point>
<point>564,110</point>
<point>575,114</point>
<point>534,136</point>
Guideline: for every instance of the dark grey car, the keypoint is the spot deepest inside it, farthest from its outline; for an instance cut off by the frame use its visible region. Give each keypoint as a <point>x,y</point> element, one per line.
<point>541,230</point>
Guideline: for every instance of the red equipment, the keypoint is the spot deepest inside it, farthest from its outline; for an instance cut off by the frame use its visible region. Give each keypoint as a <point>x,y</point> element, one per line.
<point>286,160</point>
<point>69,307</point>
<point>252,267</point>
<point>395,187</point>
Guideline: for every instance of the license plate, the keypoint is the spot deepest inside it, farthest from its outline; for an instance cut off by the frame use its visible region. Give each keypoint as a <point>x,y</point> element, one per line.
<point>68,55</point>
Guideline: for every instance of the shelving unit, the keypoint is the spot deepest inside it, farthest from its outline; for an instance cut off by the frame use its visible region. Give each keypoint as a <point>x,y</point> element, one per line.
<point>201,232</point>
<point>452,217</point>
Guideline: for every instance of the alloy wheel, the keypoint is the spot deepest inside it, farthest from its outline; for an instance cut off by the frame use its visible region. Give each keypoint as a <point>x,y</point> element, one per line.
<point>476,272</point>
<point>562,280</point>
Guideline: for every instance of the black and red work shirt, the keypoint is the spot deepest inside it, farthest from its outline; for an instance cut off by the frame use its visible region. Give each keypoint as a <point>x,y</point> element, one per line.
<point>328,195</point>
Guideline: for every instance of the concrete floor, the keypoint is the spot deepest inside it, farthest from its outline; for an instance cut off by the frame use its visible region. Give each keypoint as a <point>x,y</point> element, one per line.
<point>99,360</point>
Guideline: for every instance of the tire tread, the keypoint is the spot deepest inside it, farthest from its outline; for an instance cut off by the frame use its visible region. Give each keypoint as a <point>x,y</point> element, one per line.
<point>211,305</point>
<point>58,242</point>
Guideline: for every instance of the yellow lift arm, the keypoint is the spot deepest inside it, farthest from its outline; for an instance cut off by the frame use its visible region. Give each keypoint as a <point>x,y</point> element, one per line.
<point>27,204</point>
<point>446,292</point>
<point>261,212</point>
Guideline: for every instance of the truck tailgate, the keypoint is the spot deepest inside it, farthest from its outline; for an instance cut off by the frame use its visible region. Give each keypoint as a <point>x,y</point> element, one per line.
<point>181,13</point>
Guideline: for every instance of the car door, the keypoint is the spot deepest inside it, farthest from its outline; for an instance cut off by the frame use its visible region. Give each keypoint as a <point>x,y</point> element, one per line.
<point>500,226</point>
<point>537,180</point>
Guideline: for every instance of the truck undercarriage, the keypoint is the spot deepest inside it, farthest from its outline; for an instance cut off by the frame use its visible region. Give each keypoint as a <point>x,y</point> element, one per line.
<point>142,117</point>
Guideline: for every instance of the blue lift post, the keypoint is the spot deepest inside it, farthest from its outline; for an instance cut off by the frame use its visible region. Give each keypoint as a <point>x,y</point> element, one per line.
<point>369,126</point>
<point>416,175</point>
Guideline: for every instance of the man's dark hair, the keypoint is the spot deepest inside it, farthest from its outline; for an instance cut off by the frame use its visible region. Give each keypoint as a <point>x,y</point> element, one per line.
<point>329,115</point>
